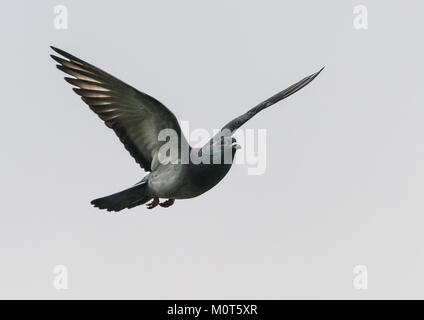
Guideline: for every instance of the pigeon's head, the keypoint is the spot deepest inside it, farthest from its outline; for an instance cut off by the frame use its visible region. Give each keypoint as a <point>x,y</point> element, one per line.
<point>234,145</point>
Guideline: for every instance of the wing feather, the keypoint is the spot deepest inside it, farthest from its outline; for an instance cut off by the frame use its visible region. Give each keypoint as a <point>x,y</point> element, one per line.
<point>236,123</point>
<point>136,117</point>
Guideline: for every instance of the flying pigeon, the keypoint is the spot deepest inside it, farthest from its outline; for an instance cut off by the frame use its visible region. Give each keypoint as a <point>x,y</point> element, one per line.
<point>138,119</point>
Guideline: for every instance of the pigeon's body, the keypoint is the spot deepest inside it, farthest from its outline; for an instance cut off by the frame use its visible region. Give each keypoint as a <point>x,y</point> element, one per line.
<point>185,181</point>
<point>137,119</point>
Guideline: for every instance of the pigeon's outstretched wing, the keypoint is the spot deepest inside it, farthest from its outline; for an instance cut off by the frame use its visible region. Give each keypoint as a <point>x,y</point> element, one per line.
<point>136,118</point>
<point>233,125</point>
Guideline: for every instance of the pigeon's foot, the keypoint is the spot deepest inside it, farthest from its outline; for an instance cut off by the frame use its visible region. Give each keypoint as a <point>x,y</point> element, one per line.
<point>153,204</point>
<point>167,203</point>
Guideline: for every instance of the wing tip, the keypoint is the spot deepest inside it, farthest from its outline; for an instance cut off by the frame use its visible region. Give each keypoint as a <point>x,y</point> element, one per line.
<point>70,80</point>
<point>57,59</point>
<point>57,50</point>
<point>67,55</point>
<point>314,75</point>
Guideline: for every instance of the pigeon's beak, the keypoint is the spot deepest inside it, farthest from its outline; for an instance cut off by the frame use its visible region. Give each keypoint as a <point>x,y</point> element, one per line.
<point>236,146</point>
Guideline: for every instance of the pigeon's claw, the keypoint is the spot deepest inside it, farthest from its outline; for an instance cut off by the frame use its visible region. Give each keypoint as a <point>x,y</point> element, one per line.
<point>153,204</point>
<point>167,203</point>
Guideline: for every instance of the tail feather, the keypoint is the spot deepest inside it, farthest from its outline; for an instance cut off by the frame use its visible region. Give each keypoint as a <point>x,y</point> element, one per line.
<point>128,198</point>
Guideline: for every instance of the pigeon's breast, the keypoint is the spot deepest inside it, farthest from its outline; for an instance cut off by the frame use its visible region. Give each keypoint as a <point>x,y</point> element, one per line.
<point>204,177</point>
<point>185,181</point>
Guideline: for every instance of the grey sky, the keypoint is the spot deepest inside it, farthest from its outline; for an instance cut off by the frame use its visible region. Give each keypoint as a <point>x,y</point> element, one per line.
<point>344,177</point>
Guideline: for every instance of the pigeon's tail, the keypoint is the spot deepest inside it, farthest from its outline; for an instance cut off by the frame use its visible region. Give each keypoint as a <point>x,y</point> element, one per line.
<point>127,198</point>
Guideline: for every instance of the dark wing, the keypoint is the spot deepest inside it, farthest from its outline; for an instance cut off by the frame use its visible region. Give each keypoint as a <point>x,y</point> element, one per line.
<point>136,118</point>
<point>233,125</point>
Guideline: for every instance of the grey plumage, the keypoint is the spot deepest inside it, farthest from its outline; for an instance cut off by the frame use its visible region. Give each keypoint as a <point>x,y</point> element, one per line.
<point>236,123</point>
<point>137,119</point>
